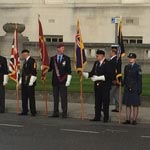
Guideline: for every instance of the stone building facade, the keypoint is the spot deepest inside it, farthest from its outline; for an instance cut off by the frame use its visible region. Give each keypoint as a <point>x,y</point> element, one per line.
<point>59,18</point>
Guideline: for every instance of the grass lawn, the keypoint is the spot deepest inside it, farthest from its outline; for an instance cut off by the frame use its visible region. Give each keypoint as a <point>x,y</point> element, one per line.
<point>75,84</point>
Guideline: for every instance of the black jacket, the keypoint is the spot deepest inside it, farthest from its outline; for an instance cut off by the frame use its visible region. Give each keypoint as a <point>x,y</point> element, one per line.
<point>113,64</point>
<point>28,70</point>
<point>3,68</point>
<point>60,70</point>
<point>106,70</point>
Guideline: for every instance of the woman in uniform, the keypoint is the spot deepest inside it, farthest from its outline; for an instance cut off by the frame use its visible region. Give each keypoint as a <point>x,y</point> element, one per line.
<point>132,88</point>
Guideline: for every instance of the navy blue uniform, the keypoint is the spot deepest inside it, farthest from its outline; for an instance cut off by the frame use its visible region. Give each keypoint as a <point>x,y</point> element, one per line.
<point>102,88</point>
<point>28,92</point>
<point>132,85</point>
<point>3,71</point>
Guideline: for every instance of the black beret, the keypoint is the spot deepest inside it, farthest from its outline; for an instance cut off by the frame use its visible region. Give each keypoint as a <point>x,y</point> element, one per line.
<point>132,55</point>
<point>100,52</point>
<point>60,45</point>
<point>25,51</point>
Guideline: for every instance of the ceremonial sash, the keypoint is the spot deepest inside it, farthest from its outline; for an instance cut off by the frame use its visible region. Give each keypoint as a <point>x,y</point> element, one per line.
<point>60,78</point>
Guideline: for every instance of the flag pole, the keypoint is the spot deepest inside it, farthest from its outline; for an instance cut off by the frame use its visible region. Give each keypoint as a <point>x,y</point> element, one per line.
<point>120,104</point>
<point>81,96</point>
<point>121,54</point>
<point>45,97</point>
<point>80,61</point>
<point>45,63</point>
<point>17,97</point>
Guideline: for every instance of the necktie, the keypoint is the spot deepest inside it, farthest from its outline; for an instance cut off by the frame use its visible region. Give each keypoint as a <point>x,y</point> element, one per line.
<point>100,64</point>
<point>25,61</point>
<point>59,59</point>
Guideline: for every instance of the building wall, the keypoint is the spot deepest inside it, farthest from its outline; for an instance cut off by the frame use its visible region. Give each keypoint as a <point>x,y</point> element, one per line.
<point>59,17</point>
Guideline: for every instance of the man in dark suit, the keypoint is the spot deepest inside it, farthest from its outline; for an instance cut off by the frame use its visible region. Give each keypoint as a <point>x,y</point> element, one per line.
<point>3,82</point>
<point>61,77</point>
<point>28,83</point>
<point>114,93</point>
<point>101,75</point>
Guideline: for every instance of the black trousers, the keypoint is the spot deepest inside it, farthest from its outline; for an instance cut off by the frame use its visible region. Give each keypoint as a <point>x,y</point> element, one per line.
<point>2,98</point>
<point>28,92</point>
<point>60,90</point>
<point>102,99</point>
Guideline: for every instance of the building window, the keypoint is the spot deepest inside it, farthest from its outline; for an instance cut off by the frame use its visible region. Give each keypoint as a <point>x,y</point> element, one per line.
<point>131,20</point>
<point>133,40</point>
<point>53,38</point>
<point>125,41</point>
<point>139,41</point>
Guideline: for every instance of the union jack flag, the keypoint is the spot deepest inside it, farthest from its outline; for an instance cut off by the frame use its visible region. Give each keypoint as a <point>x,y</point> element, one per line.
<point>14,63</point>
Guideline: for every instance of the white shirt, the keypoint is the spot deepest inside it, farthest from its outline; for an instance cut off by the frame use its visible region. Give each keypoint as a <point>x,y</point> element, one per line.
<point>101,62</point>
<point>27,58</point>
<point>113,57</point>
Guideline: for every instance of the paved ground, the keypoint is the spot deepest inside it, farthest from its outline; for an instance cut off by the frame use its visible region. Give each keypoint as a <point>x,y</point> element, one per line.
<point>42,133</point>
<point>73,133</point>
<point>74,110</point>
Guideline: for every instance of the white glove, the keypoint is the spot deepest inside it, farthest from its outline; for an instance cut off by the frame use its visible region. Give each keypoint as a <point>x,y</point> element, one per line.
<point>68,80</point>
<point>41,67</point>
<point>32,80</point>
<point>20,81</point>
<point>97,78</point>
<point>5,79</point>
<point>85,75</point>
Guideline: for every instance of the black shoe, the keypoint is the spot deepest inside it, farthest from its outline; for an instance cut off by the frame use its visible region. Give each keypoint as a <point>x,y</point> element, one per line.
<point>115,110</point>
<point>64,116</point>
<point>95,119</point>
<point>134,122</point>
<point>55,116</point>
<point>127,122</point>
<point>2,111</point>
<point>105,120</point>
<point>23,114</point>
<point>33,115</point>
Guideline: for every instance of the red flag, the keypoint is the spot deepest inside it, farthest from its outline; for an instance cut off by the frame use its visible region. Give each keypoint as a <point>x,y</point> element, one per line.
<point>44,53</point>
<point>14,63</point>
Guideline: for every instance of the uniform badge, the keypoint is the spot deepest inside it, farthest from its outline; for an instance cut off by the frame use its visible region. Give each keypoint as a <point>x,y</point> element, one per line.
<point>64,63</point>
<point>35,65</point>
